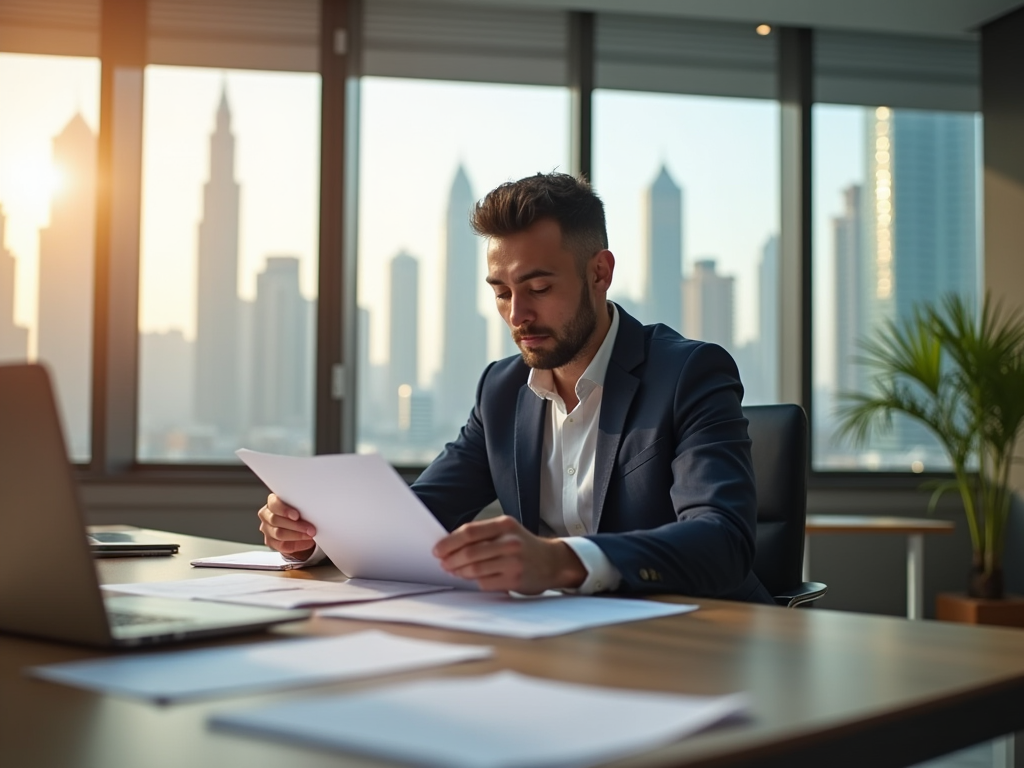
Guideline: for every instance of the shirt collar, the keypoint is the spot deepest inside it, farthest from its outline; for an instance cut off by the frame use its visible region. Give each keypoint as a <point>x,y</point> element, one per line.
<point>542,382</point>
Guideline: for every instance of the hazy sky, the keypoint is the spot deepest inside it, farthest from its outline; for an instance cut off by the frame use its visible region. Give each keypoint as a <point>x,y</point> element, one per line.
<point>722,152</point>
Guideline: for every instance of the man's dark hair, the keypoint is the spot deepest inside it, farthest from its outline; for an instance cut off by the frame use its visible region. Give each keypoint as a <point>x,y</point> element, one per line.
<point>515,206</point>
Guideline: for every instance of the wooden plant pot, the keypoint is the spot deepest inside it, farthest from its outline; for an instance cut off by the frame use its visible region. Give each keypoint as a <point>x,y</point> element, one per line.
<point>957,606</point>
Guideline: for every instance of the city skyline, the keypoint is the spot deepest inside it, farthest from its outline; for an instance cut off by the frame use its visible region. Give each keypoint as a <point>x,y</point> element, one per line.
<point>410,425</point>
<point>721,152</point>
<point>251,360</point>
<point>907,233</point>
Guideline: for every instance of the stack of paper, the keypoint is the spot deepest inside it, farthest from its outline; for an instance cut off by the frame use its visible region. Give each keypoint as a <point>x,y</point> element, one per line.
<point>178,675</point>
<point>504,720</point>
<point>273,592</point>
<point>498,613</point>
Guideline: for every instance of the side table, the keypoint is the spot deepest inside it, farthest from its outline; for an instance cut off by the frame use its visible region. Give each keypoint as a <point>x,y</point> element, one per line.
<point>913,528</point>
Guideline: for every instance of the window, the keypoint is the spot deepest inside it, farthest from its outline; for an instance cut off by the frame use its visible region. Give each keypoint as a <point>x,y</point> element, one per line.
<point>690,182</point>
<point>897,212</point>
<point>229,263</point>
<point>428,326</point>
<point>48,134</point>
<point>896,223</point>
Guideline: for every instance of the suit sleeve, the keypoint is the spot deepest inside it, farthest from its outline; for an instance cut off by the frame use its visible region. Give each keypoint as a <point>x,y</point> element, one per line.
<point>458,484</point>
<point>708,551</point>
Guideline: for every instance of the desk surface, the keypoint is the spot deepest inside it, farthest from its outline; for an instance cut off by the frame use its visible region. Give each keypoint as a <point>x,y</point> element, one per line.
<point>872,524</point>
<point>829,688</point>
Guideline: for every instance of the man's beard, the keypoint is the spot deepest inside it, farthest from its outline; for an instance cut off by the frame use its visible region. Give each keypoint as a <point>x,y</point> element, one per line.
<point>568,343</point>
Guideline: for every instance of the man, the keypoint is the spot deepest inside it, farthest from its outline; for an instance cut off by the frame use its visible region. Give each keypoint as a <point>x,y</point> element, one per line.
<point>618,452</point>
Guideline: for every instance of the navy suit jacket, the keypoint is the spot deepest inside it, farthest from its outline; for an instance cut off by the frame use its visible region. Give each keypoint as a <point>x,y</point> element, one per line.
<point>674,494</point>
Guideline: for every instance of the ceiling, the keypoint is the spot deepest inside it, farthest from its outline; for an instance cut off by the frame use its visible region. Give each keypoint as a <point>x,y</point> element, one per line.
<point>944,18</point>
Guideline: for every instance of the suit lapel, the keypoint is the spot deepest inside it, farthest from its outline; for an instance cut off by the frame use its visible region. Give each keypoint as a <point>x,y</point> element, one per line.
<point>619,388</point>
<point>529,440</point>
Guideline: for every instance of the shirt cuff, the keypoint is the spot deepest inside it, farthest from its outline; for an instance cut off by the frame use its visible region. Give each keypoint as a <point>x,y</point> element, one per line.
<point>313,559</point>
<point>602,576</point>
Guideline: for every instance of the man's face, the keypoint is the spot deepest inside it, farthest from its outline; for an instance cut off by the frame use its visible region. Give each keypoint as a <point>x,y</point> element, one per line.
<point>548,306</point>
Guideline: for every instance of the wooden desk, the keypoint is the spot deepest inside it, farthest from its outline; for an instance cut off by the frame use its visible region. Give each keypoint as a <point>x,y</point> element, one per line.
<point>829,689</point>
<point>914,528</point>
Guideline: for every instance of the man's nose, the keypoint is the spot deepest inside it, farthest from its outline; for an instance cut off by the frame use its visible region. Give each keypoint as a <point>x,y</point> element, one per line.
<point>521,310</point>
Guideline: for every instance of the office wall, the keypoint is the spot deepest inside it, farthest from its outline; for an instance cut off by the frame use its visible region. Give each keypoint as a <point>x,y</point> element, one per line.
<point>1002,87</point>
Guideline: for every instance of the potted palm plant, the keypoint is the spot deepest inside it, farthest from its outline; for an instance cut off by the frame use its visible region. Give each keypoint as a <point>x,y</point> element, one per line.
<point>961,375</point>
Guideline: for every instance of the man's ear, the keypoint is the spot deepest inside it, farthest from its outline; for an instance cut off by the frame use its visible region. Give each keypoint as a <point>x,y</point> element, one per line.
<point>602,267</point>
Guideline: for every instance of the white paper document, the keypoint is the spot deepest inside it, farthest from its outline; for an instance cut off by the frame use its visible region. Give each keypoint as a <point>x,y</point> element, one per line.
<point>497,613</point>
<point>179,675</point>
<point>504,720</point>
<point>258,560</point>
<point>368,521</point>
<point>274,592</point>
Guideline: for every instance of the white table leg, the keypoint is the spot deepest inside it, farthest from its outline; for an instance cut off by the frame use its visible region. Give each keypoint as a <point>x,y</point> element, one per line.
<point>1003,752</point>
<point>915,576</point>
<point>807,558</point>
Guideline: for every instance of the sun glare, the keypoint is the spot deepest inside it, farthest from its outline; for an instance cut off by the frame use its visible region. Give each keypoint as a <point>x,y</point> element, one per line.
<point>38,181</point>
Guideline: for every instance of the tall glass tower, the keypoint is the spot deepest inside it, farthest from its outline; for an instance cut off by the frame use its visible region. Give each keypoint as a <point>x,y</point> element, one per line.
<point>664,262</point>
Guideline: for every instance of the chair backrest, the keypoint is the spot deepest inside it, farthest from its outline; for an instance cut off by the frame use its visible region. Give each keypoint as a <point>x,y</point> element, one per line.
<point>778,435</point>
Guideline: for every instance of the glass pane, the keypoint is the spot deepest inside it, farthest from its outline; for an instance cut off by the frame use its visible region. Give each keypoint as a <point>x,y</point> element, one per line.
<point>896,222</point>
<point>427,322</point>
<point>230,221</point>
<point>48,127</point>
<point>690,185</point>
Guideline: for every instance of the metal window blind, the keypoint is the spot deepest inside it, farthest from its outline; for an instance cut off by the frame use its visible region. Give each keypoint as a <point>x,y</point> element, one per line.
<point>54,27</point>
<point>644,53</point>
<point>441,41</point>
<point>897,71</point>
<point>236,34</point>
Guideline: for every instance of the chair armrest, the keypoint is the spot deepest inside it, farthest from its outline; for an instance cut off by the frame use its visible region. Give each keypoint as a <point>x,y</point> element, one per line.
<point>803,593</point>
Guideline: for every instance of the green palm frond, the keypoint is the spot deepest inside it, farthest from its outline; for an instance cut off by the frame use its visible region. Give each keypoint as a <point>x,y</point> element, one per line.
<point>960,373</point>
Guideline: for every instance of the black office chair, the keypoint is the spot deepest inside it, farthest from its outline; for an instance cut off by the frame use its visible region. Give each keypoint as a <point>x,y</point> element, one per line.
<point>778,435</point>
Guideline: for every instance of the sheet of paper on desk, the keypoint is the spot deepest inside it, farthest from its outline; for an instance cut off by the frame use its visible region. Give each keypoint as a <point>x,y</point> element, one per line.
<point>497,613</point>
<point>180,675</point>
<point>274,592</point>
<point>503,720</point>
<point>367,520</point>
<point>259,560</point>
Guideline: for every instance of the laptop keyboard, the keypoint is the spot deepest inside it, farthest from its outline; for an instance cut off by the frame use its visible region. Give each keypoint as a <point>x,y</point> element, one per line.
<point>120,619</point>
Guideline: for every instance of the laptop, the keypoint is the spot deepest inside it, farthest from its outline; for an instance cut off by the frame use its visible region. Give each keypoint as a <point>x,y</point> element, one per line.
<point>48,582</point>
<point>129,544</point>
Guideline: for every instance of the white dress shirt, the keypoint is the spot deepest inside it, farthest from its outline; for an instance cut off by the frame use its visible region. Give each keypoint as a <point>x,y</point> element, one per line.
<point>568,461</point>
<point>568,464</point>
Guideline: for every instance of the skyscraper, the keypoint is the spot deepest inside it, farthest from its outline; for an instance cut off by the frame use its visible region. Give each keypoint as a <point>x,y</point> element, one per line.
<point>217,307</point>
<point>165,390</point>
<point>664,258</point>
<point>13,338</point>
<point>708,297</point>
<point>403,357</point>
<point>847,238</point>
<point>919,231</point>
<point>768,322</point>
<point>935,250</point>
<point>281,378</point>
<point>465,330</point>
<point>66,248</point>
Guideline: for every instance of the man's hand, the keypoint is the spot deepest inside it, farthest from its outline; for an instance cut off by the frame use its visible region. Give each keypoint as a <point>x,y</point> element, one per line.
<point>284,529</point>
<point>500,555</point>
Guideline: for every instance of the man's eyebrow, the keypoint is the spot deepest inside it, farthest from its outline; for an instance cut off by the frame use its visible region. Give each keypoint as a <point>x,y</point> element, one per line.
<point>522,278</point>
